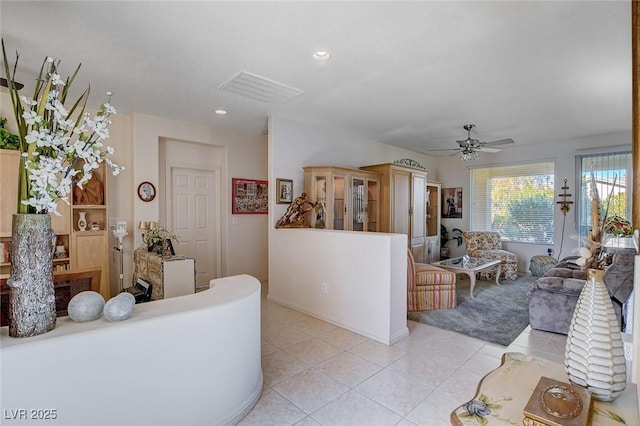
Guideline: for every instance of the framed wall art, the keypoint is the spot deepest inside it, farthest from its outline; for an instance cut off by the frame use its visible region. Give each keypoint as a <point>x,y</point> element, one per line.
<point>146,191</point>
<point>284,188</point>
<point>249,196</point>
<point>452,203</point>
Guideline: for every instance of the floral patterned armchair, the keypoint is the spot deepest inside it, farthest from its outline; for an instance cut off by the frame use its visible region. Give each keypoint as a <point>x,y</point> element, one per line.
<point>488,245</point>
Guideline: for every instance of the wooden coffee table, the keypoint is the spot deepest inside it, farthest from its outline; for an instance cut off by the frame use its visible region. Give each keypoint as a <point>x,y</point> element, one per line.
<point>470,266</point>
<point>503,394</point>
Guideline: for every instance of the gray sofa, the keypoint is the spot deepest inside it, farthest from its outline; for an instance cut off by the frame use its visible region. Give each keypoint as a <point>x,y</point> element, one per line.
<point>553,296</point>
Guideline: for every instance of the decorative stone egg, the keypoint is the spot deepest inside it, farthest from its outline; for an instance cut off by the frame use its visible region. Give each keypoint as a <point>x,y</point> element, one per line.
<point>119,308</point>
<point>85,306</point>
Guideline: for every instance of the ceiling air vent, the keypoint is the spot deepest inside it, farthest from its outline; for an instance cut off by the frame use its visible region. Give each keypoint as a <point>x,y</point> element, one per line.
<point>259,88</point>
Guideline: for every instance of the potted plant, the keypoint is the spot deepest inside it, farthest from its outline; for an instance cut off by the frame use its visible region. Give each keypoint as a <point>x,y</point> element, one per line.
<point>445,237</point>
<point>7,139</point>
<point>59,147</point>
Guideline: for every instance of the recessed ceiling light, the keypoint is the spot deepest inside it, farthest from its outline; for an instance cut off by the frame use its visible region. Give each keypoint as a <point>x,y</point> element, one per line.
<point>321,55</point>
<point>220,112</point>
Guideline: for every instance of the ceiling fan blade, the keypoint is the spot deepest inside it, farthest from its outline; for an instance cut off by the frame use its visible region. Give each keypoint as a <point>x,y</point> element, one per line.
<point>447,149</point>
<point>500,142</point>
<point>5,83</point>
<point>488,149</point>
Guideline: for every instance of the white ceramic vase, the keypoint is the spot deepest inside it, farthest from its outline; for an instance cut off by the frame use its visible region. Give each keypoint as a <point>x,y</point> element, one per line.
<point>594,355</point>
<point>82,221</point>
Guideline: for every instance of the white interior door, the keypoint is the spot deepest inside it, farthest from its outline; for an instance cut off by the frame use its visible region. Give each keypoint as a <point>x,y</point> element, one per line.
<point>193,213</point>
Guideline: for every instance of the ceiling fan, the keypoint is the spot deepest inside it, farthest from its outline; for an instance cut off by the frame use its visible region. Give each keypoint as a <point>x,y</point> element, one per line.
<point>470,148</point>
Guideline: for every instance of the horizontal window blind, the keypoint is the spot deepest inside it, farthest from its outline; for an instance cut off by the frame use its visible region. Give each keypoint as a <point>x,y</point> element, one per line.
<point>514,200</point>
<point>611,175</point>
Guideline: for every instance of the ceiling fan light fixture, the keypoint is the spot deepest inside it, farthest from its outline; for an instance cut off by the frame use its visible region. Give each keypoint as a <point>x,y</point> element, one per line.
<point>468,155</point>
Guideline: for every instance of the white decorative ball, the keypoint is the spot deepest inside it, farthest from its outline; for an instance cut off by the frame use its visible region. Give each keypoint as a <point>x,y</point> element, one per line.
<point>85,306</point>
<point>119,308</point>
<point>129,296</point>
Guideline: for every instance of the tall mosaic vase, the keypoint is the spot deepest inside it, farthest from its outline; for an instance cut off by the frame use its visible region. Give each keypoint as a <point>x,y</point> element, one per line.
<point>594,355</point>
<point>32,301</point>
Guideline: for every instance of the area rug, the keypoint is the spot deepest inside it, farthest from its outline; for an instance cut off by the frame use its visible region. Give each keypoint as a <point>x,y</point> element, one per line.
<point>498,314</point>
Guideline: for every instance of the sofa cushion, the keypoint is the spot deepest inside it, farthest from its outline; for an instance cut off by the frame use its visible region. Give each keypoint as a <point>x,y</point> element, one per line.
<point>574,285</point>
<point>559,272</point>
<point>429,275</point>
<point>557,285</point>
<point>538,265</point>
<point>579,274</point>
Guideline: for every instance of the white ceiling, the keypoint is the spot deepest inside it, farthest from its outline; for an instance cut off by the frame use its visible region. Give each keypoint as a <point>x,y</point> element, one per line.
<point>409,74</point>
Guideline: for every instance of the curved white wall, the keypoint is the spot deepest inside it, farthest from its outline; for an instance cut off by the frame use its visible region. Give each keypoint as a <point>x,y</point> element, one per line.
<point>190,360</point>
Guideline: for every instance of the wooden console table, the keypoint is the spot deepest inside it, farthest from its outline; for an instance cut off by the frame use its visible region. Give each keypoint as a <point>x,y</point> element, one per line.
<point>506,391</point>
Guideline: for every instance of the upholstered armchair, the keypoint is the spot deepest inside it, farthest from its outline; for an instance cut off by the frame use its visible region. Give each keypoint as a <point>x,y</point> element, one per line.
<point>488,245</point>
<point>429,287</point>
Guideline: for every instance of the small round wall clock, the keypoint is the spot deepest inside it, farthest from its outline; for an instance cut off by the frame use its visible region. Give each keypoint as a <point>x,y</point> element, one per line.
<point>146,191</point>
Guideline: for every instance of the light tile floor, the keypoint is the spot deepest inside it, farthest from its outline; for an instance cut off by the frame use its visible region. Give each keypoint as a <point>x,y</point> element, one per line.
<point>318,374</point>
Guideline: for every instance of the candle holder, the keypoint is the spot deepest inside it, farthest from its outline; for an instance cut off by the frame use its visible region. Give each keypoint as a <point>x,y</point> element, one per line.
<point>564,204</point>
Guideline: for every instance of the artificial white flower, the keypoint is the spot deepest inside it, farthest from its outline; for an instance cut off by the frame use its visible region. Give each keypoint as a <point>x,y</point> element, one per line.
<point>57,153</point>
<point>109,109</point>
<point>28,102</point>
<point>31,117</point>
<point>56,80</point>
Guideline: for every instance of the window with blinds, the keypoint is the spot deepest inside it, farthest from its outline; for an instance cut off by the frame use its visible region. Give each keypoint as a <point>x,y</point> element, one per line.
<point>514,200</point>
<point>611,175</point>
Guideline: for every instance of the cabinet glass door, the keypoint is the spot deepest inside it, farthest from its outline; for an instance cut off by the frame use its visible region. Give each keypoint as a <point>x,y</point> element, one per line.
<point>338,202</point>
<point>359,206</point>
<point>372,206</point>
<point>320,187</point>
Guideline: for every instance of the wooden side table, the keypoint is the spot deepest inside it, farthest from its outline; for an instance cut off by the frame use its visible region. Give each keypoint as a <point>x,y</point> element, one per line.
<point>506,390</point>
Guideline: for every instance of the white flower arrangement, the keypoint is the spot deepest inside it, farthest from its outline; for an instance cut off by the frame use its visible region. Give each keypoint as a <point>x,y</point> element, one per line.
<point>156,238</point>
<point>59,147</point>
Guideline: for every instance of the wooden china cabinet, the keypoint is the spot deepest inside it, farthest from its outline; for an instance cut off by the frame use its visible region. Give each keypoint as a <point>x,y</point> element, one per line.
<point>403,204</point>
<point>348,198</point>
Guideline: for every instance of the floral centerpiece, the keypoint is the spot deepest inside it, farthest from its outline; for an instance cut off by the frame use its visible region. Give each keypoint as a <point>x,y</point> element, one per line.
<point>157,238</point>
<point>60,146</point>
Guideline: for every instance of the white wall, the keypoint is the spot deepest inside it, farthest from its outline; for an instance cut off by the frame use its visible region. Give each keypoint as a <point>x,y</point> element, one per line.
<point>364,273</point>
<point>455,173</point>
